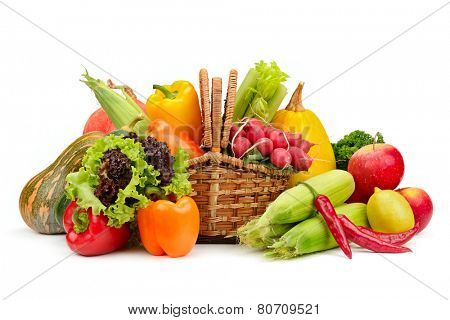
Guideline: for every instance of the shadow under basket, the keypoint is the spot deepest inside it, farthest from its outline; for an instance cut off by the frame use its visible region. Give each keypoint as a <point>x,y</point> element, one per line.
<point>229,193</point>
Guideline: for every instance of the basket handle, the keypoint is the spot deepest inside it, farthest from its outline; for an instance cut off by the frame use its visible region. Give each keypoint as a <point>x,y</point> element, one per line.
<point>216,109</point>
<point>206,108</point>
<point>229,108</point>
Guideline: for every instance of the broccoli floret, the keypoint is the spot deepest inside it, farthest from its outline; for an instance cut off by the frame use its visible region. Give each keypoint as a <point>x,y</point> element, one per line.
<point>349,144</point>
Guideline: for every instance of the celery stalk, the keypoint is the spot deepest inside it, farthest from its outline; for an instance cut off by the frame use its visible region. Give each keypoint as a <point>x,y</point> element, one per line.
<point>245,94</point>
<point>275,102</point>
<point>261,85</point>
<point>263,109</point>
<point>257,108</point>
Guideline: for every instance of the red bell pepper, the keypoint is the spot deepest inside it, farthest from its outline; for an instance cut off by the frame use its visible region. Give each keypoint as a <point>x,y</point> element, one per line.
<point>89,235</point>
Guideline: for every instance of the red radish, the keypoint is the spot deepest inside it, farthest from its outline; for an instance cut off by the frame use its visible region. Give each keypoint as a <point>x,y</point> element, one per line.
<point>305,145</point>
<point>278,138</point>
<point>268,130</point>
<point>295,139</point>
<point>307,162</point>
<point>300,160</point>
<point>252,123</point>
<point>280,158</point>
<point>240,146</point>
<point>264,146</point>
<point>234,129</point>
<point>254,134</point>
<point>99,121</point>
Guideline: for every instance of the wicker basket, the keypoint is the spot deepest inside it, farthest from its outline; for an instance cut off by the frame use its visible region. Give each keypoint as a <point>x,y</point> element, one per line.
<point>227,191</point>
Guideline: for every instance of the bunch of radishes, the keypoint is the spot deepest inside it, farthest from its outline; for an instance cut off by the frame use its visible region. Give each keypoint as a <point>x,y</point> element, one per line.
<point>282,148</point>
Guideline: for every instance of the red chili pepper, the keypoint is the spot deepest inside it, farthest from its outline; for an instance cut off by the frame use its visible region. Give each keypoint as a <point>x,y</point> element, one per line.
<point>326,209</point>
<point>393,238</point>
<point>89,235</point>
<point>368,241</point>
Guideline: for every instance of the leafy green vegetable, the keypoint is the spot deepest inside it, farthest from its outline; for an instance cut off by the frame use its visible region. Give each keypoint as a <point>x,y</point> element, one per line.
<point>144,182</point>
<point>81,185</point>
<point>80,221</point>
<point>269,79</point>
<point>261,92</point>
<point>258,107</point>
<point>180,185</point>
<point>254,156</point>
<point>350,143</point>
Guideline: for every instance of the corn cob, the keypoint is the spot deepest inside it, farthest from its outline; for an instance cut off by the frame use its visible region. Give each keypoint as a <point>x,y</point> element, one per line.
<point>293,206</point>
<point>312,235</point>
<point>296,204</point>
<point>261,237</point>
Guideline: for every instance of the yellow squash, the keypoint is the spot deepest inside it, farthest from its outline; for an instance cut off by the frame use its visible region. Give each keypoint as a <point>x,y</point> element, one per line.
<point>296,119</point>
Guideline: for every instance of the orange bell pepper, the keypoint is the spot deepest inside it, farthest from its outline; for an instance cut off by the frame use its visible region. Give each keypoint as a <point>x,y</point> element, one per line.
<point>169,228</point>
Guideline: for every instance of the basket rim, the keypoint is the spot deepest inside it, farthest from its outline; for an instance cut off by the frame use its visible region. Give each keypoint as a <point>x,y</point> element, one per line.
<point>217,158</point>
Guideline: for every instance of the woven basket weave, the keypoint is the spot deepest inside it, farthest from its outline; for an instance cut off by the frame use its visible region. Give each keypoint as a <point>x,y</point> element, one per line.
<point>227,191</point>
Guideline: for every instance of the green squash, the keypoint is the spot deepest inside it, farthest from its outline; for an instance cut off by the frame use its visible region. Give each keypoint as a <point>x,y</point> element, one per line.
<point>42,201</point>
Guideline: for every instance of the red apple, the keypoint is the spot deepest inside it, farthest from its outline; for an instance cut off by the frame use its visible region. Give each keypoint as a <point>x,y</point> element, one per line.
<point>421,205</point>
<point>99,121</point>
<point>375,165</point>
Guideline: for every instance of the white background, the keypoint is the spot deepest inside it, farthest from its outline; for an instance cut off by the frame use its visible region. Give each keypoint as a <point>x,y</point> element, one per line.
<point>401,90</point>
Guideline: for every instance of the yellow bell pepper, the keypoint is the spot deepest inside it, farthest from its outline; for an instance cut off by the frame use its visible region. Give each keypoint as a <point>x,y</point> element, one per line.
<point>177,104</point>
<point>296,119</point>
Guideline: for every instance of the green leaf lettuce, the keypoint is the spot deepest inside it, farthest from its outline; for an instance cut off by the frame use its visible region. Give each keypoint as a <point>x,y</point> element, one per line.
<point>180,185</point>
<point>81,185</point>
